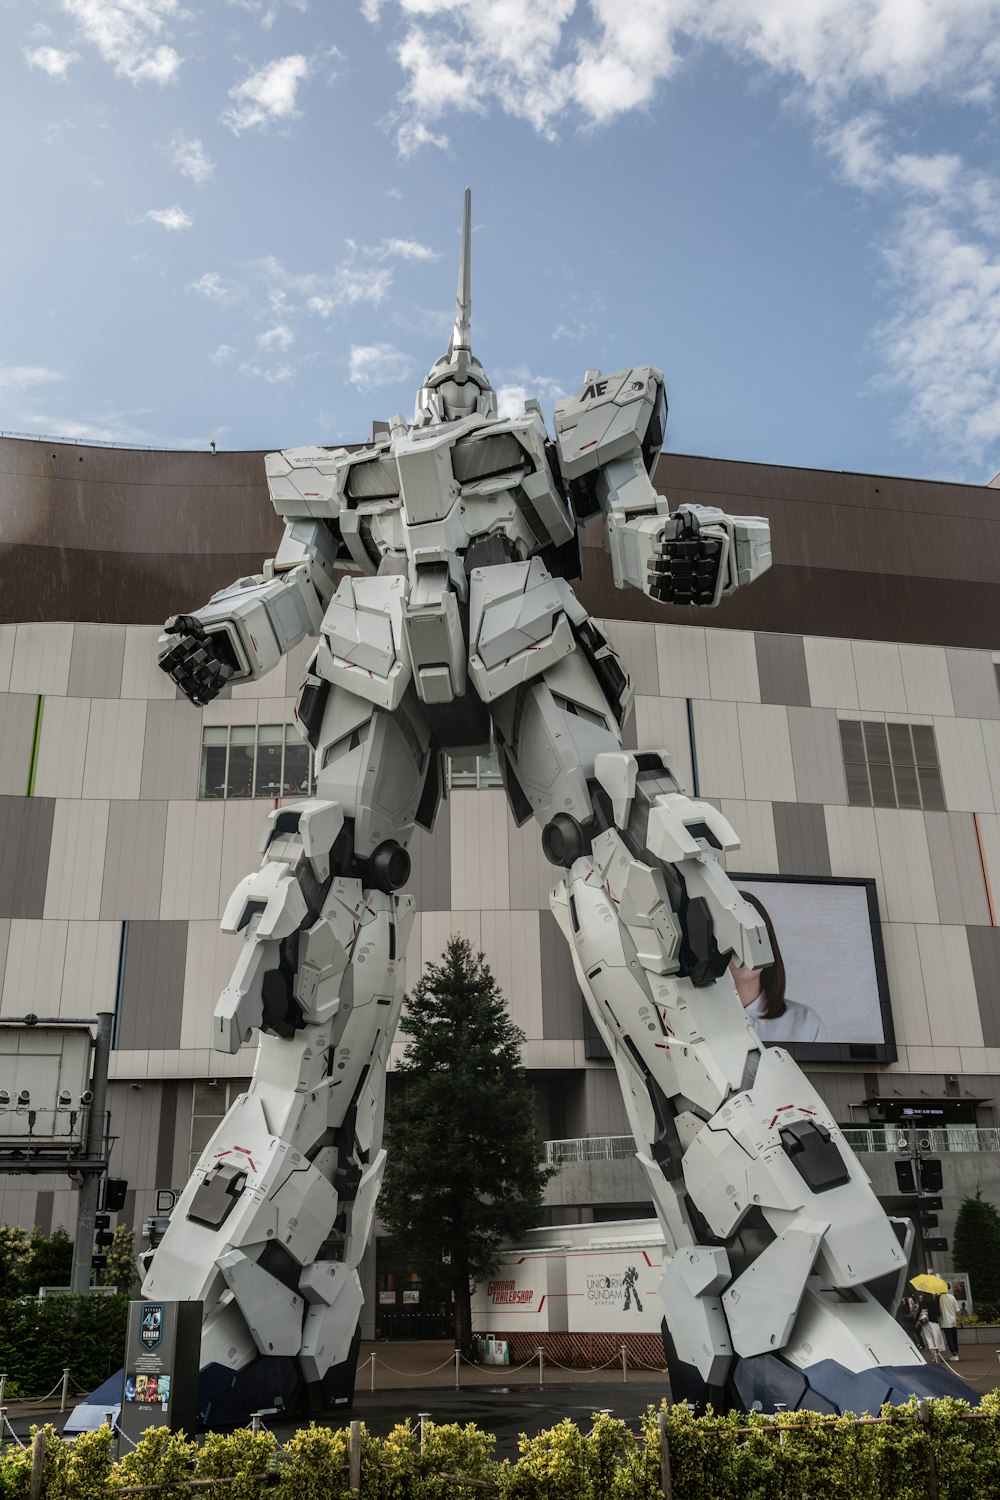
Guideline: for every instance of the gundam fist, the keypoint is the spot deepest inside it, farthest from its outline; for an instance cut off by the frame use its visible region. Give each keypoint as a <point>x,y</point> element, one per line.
<point>200,664</point>
<point>685,565</point>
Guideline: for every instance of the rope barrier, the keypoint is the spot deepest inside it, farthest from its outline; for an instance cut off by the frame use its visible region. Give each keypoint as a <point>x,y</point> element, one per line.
<point>6,1423</point>
<point>415,1374</point>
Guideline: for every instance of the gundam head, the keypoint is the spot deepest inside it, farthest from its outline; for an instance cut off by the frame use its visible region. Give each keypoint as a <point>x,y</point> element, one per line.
<point>457,385</point>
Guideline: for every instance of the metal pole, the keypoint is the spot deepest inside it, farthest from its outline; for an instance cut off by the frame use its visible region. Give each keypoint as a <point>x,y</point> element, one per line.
<point>458,1356</point>
<point>3,1383</point>
<point>666,1484</point>
<point>65,1391</point>
<point>424,1416</point>
<point>624,1365</point>
<point>37,1459</point>
<point>255,1424</point>
<point>83,1245</point>
<point>355,1456</point>
<point>373,1369</point>
<point>541,1363</point>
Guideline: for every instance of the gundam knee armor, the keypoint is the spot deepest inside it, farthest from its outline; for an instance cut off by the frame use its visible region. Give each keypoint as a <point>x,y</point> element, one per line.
<point>783,1268</point>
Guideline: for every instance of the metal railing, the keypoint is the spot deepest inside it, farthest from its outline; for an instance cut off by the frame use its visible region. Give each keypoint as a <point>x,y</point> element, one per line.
<point>885,1138</point>
<point>590,1148</point>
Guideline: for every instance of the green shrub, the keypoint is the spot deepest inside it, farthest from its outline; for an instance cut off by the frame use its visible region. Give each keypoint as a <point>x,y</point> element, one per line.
<point>37,1339</point>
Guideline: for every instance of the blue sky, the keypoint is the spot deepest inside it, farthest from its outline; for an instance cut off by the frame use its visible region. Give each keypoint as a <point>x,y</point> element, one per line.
<point>239,220</point>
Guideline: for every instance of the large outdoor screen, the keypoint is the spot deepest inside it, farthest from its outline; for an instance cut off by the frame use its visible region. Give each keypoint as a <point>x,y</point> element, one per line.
<point>836,994</point>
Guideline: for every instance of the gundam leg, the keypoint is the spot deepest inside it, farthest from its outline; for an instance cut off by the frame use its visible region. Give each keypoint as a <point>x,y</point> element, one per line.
<point>783,1271</point>
<point>270,1230</point>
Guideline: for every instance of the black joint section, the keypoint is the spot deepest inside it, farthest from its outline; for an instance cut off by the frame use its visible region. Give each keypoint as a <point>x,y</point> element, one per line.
<point>216,1196</point>
<point>389,867</point>
<point>346,1180</point>
<point>185,625</point>
<point>251,910</point>
<point>685,569</point>
<point>563,840</point>
<point>701,960</point>
<point>287,821</point>
<point>814,1155</point>
<point>310,706</point>
<point>489,551</point>
<point>282,1012</point>
<point>702,831</point>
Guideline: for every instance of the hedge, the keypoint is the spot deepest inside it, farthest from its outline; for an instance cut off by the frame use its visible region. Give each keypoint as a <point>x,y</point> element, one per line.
<point>939,1452</point>
<point>39,1338</point>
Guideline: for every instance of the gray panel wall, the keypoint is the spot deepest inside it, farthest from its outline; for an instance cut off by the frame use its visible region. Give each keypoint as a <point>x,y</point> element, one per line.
<point>984,950</point>
<point>25,837</point>
<point>781,667</point>
<point>817,759</point>
<point>153,987</point>
<point>171,752</point>
<point>801,838</point>
<point>957,868</point>
<point>133,859</point>
<point>95,667</point>
<point>430,881</point>
<point>17,733</point>
<point>973,685</point>
<point>561,997</point>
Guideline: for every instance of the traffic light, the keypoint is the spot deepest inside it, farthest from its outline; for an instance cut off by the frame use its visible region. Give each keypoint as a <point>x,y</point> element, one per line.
<point>905,1177</point>
<point>99,1261</point>
<point>935,1242</point>
<point>931,1178</point>
<point>103,1236</point>
<point>928,1221</point>
<point>115,1189</point>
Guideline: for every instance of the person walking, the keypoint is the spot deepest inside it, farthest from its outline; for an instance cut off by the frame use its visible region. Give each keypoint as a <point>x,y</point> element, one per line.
<point>948,1307</point>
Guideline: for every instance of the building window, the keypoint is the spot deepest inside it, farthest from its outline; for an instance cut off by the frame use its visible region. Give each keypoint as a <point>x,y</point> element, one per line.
<point>254,760</point>
<point>212,1099</point>
<point>476,771</point>
<point>891,765</point>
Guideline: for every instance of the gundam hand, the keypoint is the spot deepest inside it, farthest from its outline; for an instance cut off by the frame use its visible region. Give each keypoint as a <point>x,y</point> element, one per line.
<point>695,555</point>
<point>200,664</point>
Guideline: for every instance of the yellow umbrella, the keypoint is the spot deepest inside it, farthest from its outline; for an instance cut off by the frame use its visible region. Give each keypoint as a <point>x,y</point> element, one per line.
<point>928,1283</point>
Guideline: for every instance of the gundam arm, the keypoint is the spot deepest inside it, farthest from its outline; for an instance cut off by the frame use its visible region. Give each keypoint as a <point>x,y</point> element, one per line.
<point>609,438</point>
<point>244,630</point>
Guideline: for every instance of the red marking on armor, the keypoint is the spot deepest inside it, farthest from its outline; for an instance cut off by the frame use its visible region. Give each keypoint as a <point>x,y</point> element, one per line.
<point>585,446</point>
<point>374,913</point>
<point>611,893</point>
<point>310,494</point>
<point>242,1150</point>
<point>780,1111</point>
<point>646,1258</point>
<point>589,873</point>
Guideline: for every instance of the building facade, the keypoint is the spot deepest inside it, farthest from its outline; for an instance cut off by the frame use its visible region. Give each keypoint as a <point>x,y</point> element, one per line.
<point>843,713</point>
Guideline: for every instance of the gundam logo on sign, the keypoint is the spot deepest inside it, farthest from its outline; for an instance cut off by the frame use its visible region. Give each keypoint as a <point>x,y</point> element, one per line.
<point>615,1290</point>
<point>152,1325</point>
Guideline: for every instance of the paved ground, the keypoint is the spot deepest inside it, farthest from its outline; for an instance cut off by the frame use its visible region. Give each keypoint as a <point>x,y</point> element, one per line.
<point>410,1378</point>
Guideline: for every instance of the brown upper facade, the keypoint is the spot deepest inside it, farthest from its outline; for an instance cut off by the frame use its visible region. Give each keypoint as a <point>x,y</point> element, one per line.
<point>129,536</point>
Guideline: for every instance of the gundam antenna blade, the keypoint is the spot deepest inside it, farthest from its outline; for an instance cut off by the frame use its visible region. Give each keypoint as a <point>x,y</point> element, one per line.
<point>461,337</point>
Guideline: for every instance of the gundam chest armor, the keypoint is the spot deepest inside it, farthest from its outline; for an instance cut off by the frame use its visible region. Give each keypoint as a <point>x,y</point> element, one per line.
<point>432,568</point>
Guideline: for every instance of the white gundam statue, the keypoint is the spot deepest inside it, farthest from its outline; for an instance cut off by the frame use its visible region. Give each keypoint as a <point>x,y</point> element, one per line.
<point>453,626</point>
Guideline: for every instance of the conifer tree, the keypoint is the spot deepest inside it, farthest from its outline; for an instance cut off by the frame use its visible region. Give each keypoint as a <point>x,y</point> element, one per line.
<point>464,1170</point>
<point>975,1248</point>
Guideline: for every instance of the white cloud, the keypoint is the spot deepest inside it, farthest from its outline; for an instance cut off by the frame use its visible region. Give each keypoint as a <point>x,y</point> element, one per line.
<point>267,95</point>
<point>170,218</point>
<point>267,11</point>
<point>188,156</point>
<point>222,355</point>
<point>210,285</point>
<point>404,250</point>
<point>26,377</point>
<point>413,134</point>
<point>517,386</point>
<point>374,365</point>
<point>274,374</point>
<point>127,35</point>
<point>50,60</point>
<point>280,337</point>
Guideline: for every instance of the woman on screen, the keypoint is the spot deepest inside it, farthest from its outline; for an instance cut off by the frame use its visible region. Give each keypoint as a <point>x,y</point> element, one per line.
<point>772,1015</point>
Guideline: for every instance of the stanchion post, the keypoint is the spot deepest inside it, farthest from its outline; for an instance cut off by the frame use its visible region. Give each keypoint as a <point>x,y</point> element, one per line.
<point>64,1393</point>
<point>37,1460</point>
<point>541,1367</point>
<point>355,1456</point>
<point>424,1416</point>
<point>458,1358</point>
<point>624,1365</point>
<point>666,1484</point>
<point>3,1385</point>
<point>373,1369</point>
<point>255,1424</point>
